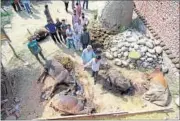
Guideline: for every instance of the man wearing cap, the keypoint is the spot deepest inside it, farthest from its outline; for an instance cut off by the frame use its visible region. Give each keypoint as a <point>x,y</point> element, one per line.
<point>87,54</point>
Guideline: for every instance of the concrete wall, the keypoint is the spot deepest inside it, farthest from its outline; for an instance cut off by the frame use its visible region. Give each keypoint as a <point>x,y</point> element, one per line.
<point>163,16</point>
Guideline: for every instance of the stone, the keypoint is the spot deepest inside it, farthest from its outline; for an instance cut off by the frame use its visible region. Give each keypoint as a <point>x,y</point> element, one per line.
<point>165,69</point>
<point>157,42</point>
<point>162,44</point>
<point>126,44</point>
<point>125,63</point>
<point>149,59</point>
<point>144,49</point>
<point>117,62</point>
<point>171,56</point>
<point>120,45</point>
<point>125,54</point>
<point>149,54</point>
<point>131,66</point>
<point>119,55</point>
<point>115,54</point>
<point>113,49</point>
<point>136,46</point>
<point>165,48</point>
<point>145,64</point>
<point>178,66</point>
<point>149,44</point>
<point>124,49</point>
<point>108,56</point>
<point>16,99</point>
<point>175,60</point>
<point>142,42</point>
<point>158,50</point>
<point>143,58</point>
<point>168,52</point>
<point>152,51</point>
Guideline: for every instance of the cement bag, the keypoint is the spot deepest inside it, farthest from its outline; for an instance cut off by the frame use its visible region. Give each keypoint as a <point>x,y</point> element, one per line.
<point>157,94</point>
<point>117,80</point>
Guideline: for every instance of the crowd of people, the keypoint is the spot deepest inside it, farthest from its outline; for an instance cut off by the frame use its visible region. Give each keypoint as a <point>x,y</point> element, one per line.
<point>76,37</point>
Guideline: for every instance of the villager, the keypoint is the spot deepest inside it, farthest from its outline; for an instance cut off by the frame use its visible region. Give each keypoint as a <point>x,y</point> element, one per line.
<point>73,4</point>
<point>26,4</point>
<point>84,20</point>
<point>47,13</point>
<point>51,27</point>
<point>66,3</point>
<point>58,26</point>
<point>76,38</point>
<point>78,9</point>
<point>78,27</point>
<point>88,54</point>
<point>63,29</point>
<point>16,5</point>
<point>95,64</point>
<point>35,49</point>
<point>75,18</point>
<point>85,2</point>
<point>69,34</point>
<point>85,38</point>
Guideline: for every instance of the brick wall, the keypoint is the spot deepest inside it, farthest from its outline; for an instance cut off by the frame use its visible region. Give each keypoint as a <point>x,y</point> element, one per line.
<point>163,16</point>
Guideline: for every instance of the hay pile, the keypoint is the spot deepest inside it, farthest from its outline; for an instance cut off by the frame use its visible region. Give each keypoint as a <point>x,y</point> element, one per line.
<point>65,61</point>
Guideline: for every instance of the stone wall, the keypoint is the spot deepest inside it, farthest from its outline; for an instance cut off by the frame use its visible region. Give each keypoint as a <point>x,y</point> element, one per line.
<point>163,17</point>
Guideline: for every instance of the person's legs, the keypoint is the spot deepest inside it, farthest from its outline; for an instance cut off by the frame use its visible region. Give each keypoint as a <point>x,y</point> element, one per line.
<point>18,6</point>
<point>57,37</point>
<point>60,36</point>
<point>68,43</point>
<point>86,4</point>
<point>36,55</point>
<point>52,36</point>
<point>64,37</point>
<point>84,46</point>
<point>41,54</point>
<point>14,6</point>
<point>66,7</point>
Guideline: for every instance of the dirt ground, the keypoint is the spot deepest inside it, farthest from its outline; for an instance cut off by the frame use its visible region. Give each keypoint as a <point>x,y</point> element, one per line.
<point>25,76</point>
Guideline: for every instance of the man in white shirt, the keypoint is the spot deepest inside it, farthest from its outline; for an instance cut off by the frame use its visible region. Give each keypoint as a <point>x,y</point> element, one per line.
<point>78,27</point>
<point>76,39</point>
<point>69,39</point>
<point>95,64</point>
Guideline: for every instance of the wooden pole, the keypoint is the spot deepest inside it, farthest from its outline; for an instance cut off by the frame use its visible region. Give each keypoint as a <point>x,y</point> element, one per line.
<point>104,115</point>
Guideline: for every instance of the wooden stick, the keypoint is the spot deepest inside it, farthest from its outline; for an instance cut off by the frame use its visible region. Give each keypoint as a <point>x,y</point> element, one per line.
<point>101,115</point>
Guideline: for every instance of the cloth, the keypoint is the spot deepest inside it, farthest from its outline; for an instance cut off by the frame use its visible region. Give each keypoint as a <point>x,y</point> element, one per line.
<point>78,27</point>
<point>87,55</point>
<point>69,34</point>
<point>55,37</point>
<point>76,38</point>
<point>85,38</point>
<point>94,65</point>
<point>51,27</point>
<point>34,47</point>
<point>84,21</point>
<point>75,19</point>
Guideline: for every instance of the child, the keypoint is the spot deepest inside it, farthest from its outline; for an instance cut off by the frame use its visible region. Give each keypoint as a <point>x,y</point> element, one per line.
<point>95,64</point>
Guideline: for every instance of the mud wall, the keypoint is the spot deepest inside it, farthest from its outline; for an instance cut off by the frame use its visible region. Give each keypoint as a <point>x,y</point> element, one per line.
<point>163,16</point>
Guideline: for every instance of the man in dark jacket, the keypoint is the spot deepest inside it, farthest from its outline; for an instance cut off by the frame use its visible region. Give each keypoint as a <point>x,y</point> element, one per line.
<point>85,38</point>
<point>58,26</point>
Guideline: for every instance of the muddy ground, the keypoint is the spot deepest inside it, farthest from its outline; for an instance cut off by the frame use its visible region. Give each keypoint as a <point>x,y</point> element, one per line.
<point>25,78</point>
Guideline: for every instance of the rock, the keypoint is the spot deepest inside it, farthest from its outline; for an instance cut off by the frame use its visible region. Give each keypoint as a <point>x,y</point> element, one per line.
<point>131,66</point>
<point>126,44</point>
<point>175,60</point>
<point>130,40</point>
<point>117,62</point>
<point>12,117</point>
<point>142,42</point>
<point>165,48</point>
<point>149,44</point>
<point>178,66</point>
<point>17,100</point>
<point>143,58</point>
<point>165,69</point>
<point>120,45</point>
<point>139,63</point>
<point>149,59</point>
<point>136,46</point>
<point>125,63</point>
<point>158,50</point>
<point>119,55</point>
<point>124,49</point>
<point>168,52</point>
<point>152,51</point>
<point>145,64</point>
<point>108,56</point>
<point>149,54</point>
<point>157,42</point>
<point>115,54</point>
<point>171,56</point>
<point>113,49</point>
<point>162,44</point>
<point>125,54</point>
<point>144,49</point>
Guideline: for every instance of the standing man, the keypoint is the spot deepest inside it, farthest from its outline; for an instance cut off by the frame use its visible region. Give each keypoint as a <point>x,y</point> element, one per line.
<point>75,18</point>
<point>47,13</point>
<point>76,38</point>
<point>16,5</point>
<point>88,54</point>
<point>66,3</point>
<point>52,30</point>
<point>63,29</point>
<point>95,64</point>
<point>69,34</point>
<point>26,4</point>
<point>78,9</point>
<point>35,49</point>
<point>85,38</point>
<point>84,20</point>
<point>85,2</point>
<point>78,27</point>
<point>72,4</point>
<point>58,26</point>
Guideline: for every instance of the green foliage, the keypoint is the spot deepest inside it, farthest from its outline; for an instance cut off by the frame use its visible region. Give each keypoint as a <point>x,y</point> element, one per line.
<point>134,55</point>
